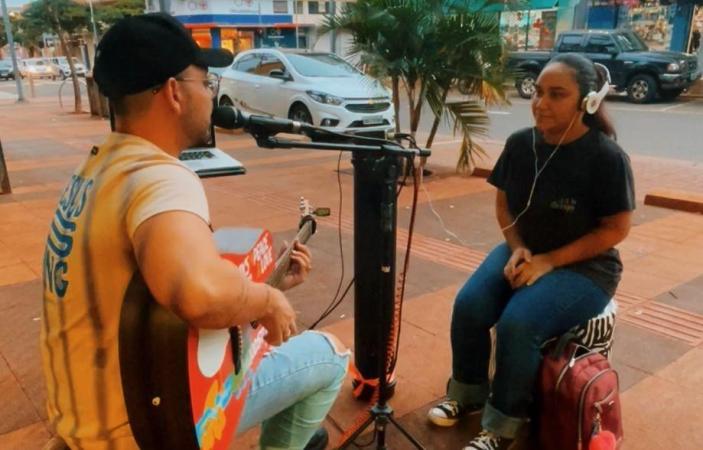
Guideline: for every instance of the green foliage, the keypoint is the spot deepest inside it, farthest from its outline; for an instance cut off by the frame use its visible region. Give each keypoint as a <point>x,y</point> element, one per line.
<point>55,16</point>
<point>3,35</point>
<point>106,15</point>
<point>431,45</point>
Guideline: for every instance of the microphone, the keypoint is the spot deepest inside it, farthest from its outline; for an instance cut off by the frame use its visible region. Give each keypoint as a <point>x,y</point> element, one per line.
<point>232,118</point>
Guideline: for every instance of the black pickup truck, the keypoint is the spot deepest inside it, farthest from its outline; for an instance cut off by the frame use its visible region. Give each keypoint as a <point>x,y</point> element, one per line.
<point>644,74</point>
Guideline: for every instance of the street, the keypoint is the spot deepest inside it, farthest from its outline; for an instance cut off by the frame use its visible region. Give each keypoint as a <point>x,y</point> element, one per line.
<point>662,129</point>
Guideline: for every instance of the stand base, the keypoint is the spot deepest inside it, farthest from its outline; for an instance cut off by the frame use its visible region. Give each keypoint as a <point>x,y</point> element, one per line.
<point>380,415</point>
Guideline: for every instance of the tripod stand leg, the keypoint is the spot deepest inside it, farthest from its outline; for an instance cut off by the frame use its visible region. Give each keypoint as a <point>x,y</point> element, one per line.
<point>407,435</point>
<point>350,440</point>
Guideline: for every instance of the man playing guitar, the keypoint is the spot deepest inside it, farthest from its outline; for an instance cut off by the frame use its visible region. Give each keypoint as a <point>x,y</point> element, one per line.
<point>132,207</point>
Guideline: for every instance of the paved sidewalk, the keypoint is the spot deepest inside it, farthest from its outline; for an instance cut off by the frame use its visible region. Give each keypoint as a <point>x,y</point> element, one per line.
<point>659,335</point>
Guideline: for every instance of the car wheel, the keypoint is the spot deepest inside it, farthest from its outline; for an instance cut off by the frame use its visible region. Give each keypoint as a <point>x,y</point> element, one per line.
<point>641,89</point>
<point>670,94</point>
<point>226,101</point>
<point>300,113</point>
<point>526,85</point>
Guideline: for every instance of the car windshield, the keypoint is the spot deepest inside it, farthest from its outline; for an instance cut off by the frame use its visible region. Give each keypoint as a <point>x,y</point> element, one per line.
<point>630,42</point>
<point>321,65</point>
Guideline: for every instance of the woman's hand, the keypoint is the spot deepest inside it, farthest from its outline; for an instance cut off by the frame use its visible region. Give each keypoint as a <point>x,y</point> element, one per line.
<point>520,255</point>
<point>529,272</point>
<point>300,266</point>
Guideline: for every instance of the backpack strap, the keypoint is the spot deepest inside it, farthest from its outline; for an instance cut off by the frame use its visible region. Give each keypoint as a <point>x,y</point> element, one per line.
<point>562,342</point>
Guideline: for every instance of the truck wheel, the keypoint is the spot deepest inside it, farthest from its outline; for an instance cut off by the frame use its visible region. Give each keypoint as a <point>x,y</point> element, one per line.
<point>641,89</point>
<point>670,94</point>
<point>526,85</point>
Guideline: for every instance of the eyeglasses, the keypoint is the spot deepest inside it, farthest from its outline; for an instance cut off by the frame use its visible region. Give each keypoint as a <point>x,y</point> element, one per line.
<point>212,82</point>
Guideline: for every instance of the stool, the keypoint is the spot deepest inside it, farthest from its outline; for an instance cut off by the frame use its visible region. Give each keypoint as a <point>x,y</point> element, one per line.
<point>597,333</point>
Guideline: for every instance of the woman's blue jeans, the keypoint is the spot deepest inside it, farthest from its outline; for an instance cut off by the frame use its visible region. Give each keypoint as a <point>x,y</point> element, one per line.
<point>524,318</point>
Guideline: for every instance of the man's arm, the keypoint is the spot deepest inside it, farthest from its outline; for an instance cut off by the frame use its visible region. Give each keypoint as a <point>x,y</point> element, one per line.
<point>181,266</point>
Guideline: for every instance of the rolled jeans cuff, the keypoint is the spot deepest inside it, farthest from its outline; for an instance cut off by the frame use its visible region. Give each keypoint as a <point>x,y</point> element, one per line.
<point>498,423</point>
<point>467,394</point>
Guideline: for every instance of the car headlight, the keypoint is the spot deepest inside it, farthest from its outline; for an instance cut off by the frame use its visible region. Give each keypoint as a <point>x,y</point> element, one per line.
<point>321,97</point>
<point>673,67</point>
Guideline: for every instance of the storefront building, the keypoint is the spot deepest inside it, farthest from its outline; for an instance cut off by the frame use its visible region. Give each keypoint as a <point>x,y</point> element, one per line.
<point>662,24</point>
<point>237,24</point>
<point>533,28</point>
<point>535,25</point>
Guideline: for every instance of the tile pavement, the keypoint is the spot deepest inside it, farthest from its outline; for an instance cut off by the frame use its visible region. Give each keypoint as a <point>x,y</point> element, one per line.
<point>660,366</point>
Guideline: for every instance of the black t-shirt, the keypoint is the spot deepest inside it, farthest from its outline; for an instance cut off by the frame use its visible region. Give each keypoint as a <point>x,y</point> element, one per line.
<point>585,180</point>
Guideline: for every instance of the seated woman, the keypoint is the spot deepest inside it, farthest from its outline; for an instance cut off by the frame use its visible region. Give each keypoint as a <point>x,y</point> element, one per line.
<point>565,199</point>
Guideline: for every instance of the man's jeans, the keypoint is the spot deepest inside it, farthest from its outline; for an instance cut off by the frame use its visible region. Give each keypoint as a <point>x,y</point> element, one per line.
<point>293,389</point>
<point>524,319</point>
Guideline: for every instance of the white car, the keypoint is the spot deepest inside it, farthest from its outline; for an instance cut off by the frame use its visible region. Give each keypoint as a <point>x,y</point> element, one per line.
<point>317,88</point>
<point>65,69</point>
<point>38,68</point>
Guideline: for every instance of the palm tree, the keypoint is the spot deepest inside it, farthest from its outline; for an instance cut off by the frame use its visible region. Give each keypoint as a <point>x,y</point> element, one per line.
<point>429,45</point>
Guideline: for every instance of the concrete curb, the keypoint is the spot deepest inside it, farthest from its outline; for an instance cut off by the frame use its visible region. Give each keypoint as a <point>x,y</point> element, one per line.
<point>678,200</point>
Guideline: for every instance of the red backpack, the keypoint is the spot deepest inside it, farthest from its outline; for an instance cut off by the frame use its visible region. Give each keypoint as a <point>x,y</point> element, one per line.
<point>578,399</point>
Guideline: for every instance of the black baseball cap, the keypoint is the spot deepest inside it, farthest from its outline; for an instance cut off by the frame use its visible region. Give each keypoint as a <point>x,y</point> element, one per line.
<point>140,52</point>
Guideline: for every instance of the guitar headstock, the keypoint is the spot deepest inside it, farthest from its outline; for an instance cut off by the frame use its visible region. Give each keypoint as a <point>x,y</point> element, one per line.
<point>308,213</point>
<point>304,207</point>
<point>307,210</point>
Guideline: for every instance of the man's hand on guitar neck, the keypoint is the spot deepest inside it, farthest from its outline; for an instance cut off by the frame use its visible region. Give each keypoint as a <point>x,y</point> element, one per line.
<point>299,268</point>
<point>279,320</point>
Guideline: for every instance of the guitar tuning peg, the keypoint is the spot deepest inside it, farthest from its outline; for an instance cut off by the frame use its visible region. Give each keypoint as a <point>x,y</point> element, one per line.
<point>321,212</point>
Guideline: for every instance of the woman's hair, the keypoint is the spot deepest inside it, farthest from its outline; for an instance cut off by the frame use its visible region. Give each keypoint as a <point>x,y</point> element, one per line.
<point>590,78</point>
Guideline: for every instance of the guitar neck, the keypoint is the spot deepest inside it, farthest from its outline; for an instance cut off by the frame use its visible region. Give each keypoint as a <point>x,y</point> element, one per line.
<point>283,261</point>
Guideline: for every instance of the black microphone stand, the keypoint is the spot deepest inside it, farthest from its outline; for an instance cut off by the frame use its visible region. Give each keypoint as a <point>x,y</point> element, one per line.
<point>377,168</point>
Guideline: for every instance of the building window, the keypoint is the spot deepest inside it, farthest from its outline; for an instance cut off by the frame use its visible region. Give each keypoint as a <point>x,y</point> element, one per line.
<point>280,6</point>
<point>299,7</point>
<point>314,7</point>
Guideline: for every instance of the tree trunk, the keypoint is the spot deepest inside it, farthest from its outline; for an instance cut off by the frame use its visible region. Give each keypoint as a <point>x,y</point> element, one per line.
<point>410,92</point>
<point>437,119</point>
<point>416,110</point>
<point>78,107</point>
<point>396,101</point>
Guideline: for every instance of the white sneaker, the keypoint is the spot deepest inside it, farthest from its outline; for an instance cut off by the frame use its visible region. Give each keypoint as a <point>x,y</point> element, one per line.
<point>489,441</point>
<point>448,412</point>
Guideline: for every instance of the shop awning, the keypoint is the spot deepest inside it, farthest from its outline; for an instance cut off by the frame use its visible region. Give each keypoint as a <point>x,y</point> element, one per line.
<point>543,4</point>
<point>491,6</point>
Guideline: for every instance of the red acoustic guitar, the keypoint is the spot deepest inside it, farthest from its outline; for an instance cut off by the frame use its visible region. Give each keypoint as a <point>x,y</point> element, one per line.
<point>184,387</point>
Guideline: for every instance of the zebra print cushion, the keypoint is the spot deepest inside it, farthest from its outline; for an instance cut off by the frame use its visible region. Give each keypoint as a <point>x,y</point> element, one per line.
<point>597,333</point>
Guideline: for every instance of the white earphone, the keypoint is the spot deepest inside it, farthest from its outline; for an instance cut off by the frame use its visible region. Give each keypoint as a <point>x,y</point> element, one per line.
<point>592,100</point>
